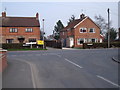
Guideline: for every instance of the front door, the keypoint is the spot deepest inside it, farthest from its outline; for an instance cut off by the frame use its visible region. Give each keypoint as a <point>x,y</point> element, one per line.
<point>71,42</point>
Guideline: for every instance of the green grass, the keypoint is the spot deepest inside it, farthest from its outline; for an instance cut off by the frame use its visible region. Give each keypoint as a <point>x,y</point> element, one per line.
<point>26,49</point>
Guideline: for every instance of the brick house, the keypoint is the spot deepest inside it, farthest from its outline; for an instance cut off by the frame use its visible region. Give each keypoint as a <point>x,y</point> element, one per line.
<point>19,29</point>
<point>80,31</point>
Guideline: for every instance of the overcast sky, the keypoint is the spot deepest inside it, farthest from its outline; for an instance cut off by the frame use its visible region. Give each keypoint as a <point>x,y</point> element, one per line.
<point>54,11</point>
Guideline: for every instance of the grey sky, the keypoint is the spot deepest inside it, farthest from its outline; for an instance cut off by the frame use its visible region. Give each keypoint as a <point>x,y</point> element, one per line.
<point>54,11</point>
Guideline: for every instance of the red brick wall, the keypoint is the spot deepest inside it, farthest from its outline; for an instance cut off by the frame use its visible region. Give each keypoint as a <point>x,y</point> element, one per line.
<point>3,60</point>
<point>21,32</point>
<point>63,36</point>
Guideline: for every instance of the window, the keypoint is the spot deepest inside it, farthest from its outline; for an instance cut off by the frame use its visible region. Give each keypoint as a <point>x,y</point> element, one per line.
<point>83,30</point>
<point>92,30</point>
<point>32,40</point>
<point>93,40</point>
<point>9,40</point>
<point>13,30</point>
<point>28,30</point>
<point>80,41</point>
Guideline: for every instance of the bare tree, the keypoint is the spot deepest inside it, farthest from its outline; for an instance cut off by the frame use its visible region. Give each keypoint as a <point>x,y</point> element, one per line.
<point>101,22</point>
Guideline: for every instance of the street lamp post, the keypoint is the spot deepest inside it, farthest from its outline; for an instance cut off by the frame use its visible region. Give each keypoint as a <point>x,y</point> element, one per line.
<point>108,28</point>
<point>43,34</point>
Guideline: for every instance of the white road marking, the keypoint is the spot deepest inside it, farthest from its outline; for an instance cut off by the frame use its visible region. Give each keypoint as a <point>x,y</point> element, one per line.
<point>73,63</point>
<point>34,73</point>
<point>59,55</point>
<point>108,81</point>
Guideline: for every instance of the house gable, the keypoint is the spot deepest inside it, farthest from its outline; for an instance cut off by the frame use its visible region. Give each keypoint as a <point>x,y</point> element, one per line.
<point>86,23</point>
<point>84,20</point>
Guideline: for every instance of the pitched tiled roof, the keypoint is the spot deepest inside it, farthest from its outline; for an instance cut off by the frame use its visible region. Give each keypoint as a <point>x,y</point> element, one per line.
<point>72,24</point>
<point>19,22</point>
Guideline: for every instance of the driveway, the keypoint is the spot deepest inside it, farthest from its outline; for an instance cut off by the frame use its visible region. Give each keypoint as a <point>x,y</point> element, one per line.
<point>89,68</point>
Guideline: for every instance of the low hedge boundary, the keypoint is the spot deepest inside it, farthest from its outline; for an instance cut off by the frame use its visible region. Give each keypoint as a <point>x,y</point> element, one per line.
<point>101,45</point>
<point>18,46</point>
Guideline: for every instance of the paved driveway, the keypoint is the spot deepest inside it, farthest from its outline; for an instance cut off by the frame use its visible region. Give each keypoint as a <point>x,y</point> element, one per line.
<point>87,68</point>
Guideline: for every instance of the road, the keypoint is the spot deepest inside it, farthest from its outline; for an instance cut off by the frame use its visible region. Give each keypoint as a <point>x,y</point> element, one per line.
<point>89,68</point>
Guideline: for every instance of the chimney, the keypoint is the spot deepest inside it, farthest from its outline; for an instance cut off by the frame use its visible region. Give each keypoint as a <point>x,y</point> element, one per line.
<point>3,14</point>
<point>82,16</point>
<point>37,16</point>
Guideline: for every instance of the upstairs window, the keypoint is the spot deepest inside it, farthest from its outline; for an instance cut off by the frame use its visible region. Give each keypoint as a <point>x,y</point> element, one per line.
<point>13,30</point>
<point>92,30</point>
<point>83,30</point>
<point>28,30</point>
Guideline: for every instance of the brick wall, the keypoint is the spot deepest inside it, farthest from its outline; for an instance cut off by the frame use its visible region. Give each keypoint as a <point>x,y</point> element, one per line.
<point>3,60</point>
<point>4,31</point>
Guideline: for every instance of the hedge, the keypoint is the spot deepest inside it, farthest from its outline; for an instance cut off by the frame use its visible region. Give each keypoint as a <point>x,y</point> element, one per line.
<point>101,45</point>
<point>17,46</point>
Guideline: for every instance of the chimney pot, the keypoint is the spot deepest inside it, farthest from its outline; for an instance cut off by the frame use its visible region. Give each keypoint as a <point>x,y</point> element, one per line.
<point>82,16</point>
<point>3,14</point>
<point>37,16</point>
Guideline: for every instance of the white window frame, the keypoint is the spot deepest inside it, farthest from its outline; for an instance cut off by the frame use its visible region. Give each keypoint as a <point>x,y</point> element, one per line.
<point>28,30</point>
<point>82,30</point>
<point>90,40</point>
<point>13,30</point>
<point>78,41</point>
<point>93,30</point>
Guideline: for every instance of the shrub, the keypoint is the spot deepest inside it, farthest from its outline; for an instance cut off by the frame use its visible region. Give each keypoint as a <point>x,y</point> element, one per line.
<point>101,45</point>
<point>12,46</point>
<point>18,46</point>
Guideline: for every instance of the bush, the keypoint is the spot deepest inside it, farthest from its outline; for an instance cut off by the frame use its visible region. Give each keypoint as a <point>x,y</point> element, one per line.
<point>101,45</point>
<point>18,46</point>
<point>12,46</point>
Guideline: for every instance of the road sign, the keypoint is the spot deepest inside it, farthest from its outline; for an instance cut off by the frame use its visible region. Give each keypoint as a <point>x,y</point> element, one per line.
<point>40,42</point>
<point>31,43</point>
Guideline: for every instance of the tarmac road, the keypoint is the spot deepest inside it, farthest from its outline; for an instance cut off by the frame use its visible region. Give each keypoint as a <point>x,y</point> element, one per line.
<point>89,68</point>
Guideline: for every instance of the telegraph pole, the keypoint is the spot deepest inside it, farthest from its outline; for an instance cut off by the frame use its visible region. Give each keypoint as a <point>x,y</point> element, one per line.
<point>108,27</point>
<point>43,33</point>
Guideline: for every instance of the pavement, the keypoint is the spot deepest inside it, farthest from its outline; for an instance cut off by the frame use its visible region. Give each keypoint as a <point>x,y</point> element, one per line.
<point>61,68</point>
<point>64,48</point>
